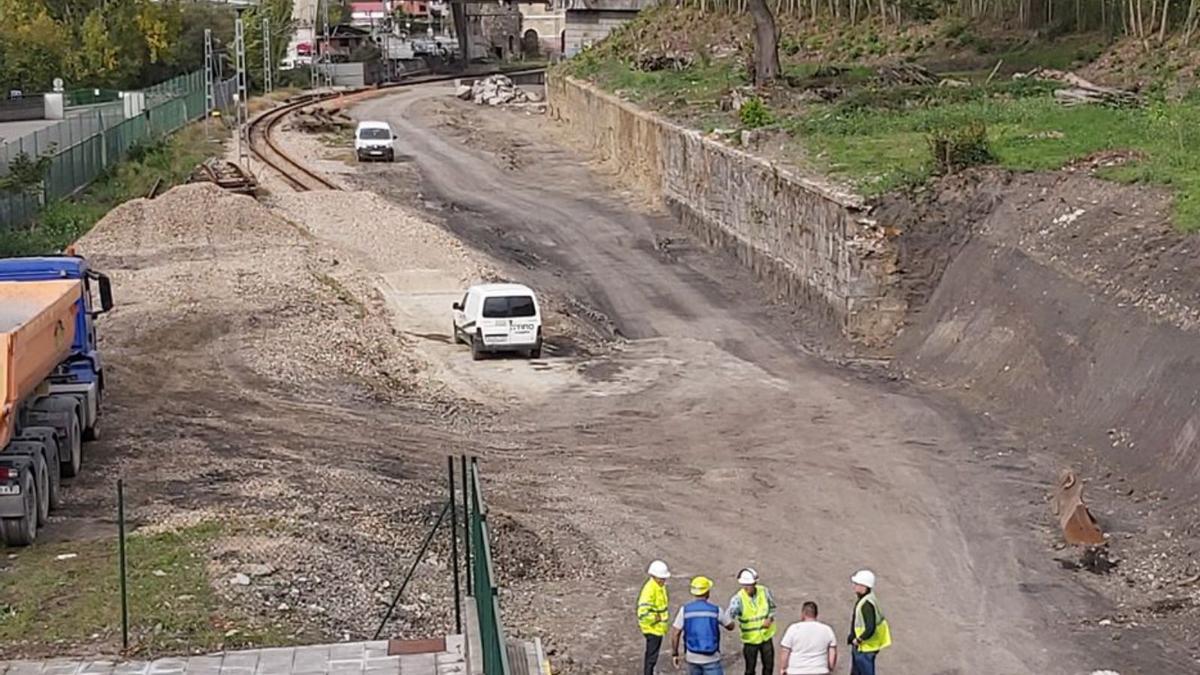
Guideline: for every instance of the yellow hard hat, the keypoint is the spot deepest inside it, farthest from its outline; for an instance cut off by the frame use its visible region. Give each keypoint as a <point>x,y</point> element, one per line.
<point>701,585</point>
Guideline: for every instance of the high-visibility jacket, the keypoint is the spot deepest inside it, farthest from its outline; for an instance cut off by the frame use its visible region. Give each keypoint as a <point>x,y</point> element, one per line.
<point>652,613</point>
<point>755,611</point>
<point>882,637</point>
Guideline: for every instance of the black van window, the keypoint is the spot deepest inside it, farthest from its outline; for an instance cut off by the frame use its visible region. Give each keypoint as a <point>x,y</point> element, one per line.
<point>508,307</point>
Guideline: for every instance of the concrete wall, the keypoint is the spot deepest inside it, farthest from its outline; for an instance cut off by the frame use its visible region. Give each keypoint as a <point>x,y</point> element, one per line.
<point>356,74</point>
<point>586,27</point>
<point>22,109</point>
<point>810,242</point>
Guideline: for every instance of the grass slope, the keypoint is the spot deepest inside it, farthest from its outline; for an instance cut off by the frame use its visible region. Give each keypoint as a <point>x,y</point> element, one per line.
<point>61,223</point>
<point>876,137</point>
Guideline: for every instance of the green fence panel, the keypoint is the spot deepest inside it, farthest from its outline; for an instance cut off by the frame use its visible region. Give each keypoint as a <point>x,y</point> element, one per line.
<point>85,145</point>
<point>483,575</point>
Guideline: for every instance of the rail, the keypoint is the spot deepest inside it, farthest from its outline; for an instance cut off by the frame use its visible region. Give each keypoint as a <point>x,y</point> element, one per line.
<point>303,179</point>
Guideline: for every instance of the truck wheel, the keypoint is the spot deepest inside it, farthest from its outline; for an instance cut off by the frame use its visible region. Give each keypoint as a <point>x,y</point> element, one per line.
<point>54,472</point>
<point>476,350</point>
<point>70,468</point>
<point>22,531</point>
<point>43,489</point>
<point>92,433</point>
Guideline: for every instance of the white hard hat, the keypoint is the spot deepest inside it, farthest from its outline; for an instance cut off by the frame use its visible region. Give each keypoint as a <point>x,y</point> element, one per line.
<point>864,578</point>
<point>748,576</point>
<point>658,569</point>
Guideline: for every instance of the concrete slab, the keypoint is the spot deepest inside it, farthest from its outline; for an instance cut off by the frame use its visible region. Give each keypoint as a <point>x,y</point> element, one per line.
<point>350,658</point>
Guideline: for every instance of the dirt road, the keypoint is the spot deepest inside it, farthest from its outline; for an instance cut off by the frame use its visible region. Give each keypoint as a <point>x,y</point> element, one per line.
<point>712,439</point>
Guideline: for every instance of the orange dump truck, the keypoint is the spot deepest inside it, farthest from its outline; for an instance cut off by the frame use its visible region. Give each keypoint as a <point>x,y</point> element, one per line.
<point>50,384</point>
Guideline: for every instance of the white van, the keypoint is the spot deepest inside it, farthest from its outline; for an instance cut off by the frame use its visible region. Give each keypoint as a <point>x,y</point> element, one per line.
<point>373,140</point>
<point>499,318</point>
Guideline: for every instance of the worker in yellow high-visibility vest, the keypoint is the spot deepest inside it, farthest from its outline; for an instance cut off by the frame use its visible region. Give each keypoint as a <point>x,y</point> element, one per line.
<point>754,610</point>
<point>653,613</point>
<point>869,632</point>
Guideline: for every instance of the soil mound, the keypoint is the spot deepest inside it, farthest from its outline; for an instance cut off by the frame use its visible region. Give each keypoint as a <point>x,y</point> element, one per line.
<point>1069,304</point>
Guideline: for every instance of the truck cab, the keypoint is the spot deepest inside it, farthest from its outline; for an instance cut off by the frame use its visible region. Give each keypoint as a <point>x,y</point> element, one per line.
<point>52,381</point>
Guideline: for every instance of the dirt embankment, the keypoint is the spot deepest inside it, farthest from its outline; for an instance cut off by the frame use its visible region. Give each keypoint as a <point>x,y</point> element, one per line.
<point>1069,307</point>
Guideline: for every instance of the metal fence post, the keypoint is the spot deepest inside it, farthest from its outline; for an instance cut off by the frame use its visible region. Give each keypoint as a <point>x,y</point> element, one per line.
<point>466,524</point>
<point>454,545</point>
<point>103,139</point>
<point>122,564</point>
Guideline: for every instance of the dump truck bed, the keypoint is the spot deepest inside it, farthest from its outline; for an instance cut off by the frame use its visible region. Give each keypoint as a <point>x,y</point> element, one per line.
<point>37,326</point>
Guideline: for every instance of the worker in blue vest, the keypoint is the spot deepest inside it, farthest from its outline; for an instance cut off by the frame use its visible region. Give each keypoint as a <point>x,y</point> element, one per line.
<point>699,625</point>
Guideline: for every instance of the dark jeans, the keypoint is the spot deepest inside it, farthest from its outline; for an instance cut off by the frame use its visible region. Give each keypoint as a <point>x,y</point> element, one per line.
<point>653,645</point>
<point>766,651</point>
<point>862,663</point>
<point>713,668</point>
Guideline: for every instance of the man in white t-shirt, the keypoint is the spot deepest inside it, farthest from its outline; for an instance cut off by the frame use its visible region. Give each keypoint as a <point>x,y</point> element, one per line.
<point>809,647</point>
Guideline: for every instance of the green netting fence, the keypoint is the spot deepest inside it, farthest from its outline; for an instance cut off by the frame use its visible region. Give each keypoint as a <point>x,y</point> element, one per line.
<point>483,580</point>
<point>94,138</point>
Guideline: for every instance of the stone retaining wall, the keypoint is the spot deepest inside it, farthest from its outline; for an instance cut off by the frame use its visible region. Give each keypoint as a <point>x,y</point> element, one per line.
<point>808,241</point>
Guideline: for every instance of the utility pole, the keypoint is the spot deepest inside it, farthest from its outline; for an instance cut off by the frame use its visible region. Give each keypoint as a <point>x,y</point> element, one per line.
<point>243,93</point>
<point>328,57</point>
<point>210,100</point>
<point>315,55</point>
<point>267,55</point>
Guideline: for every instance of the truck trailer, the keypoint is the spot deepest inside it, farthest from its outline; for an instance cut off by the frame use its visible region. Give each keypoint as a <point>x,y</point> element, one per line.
<point>51,383</point>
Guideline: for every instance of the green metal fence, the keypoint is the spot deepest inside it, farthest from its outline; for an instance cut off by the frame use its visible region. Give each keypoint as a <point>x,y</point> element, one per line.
<point>483,578</point>
<point>91,140</point>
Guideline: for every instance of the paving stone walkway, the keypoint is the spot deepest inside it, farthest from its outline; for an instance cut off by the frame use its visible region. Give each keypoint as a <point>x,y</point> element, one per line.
<point>348,658</point>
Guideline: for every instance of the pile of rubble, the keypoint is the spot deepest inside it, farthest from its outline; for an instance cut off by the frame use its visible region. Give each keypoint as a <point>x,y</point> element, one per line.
<point>496,90</point>
<point>320,120</point>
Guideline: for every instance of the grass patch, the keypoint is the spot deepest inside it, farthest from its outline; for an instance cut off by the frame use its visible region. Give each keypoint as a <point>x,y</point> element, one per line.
<point>172,606</point>
<point>881,149</point>
<point>61,223</point>
<point>702,84</point>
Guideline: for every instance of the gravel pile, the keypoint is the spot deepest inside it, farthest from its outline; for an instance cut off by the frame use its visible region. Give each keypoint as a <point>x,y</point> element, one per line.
<point>291,314</point>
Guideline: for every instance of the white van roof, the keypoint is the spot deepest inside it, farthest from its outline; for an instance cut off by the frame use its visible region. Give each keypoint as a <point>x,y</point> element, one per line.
<point>503,289</point>
<point>373,125</point>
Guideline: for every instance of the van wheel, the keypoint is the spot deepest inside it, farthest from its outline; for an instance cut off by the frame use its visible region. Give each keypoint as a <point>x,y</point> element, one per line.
<point>536,352</point>
<point>22,531</point>
<point>454,334</point>
<point>476,350</point>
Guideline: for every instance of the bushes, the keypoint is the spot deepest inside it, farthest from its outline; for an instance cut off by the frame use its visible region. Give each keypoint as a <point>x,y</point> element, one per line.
<point>958,148</point>
<point>754,114</point>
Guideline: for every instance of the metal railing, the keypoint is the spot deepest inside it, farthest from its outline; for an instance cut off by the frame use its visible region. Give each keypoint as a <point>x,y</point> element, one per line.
<point>482,577</point>
<point>91,140</point>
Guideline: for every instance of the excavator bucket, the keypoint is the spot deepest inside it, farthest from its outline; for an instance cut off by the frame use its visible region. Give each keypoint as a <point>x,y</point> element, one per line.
<point>1078,526</point>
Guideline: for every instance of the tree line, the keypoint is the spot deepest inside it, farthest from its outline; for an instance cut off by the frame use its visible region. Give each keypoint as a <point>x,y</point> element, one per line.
<point>1149,20</point>
<point>126,44</point>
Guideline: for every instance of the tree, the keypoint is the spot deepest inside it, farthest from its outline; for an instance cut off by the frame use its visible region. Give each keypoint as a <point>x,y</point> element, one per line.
<point>97,54</point>
<point>279,14</point>
<point>766,43</point>
<point>35,48</point>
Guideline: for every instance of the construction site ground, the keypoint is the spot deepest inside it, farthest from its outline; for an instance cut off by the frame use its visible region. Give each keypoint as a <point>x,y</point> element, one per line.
<point>285,370</point>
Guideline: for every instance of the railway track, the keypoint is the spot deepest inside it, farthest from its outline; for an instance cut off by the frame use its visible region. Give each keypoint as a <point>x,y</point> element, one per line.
<point>262,144</point>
